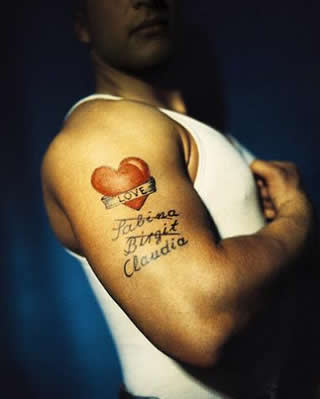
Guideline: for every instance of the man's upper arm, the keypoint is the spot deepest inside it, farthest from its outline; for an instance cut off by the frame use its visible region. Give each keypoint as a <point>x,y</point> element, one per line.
<point>122,181</point>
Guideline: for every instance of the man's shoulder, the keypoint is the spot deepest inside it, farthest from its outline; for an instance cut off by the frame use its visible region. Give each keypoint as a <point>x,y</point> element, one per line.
<point>106,128</point>
<point>117,114</point>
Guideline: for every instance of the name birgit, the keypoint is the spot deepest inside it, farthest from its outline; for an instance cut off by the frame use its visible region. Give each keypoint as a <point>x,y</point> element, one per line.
<point>137,192</point>
<point>137,263</point>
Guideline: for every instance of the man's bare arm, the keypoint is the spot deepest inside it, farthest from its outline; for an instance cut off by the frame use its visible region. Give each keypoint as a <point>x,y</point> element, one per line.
<point>161,260</point>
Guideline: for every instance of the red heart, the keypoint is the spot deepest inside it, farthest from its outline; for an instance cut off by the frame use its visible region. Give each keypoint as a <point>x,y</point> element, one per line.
<point>132,172</point>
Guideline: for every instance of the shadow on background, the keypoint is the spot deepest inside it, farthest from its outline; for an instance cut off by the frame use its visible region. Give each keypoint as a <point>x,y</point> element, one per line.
<point>253,71</point>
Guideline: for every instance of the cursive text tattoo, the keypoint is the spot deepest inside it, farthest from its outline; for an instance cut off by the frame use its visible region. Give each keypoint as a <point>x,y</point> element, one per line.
<point>127,226</point>
<point>162,233</point>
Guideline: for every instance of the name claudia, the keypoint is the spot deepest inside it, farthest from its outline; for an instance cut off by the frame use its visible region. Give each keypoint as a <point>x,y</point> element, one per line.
<point>137,263</point>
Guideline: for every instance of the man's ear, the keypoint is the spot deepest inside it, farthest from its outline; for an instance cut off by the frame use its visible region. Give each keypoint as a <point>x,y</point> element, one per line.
<point>80,27</point>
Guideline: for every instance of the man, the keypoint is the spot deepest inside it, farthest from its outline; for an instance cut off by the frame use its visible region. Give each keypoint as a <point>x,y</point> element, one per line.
<point>166,212</point>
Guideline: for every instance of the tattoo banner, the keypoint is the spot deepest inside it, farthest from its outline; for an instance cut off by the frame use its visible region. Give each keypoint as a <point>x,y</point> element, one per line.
<point>137,192</point>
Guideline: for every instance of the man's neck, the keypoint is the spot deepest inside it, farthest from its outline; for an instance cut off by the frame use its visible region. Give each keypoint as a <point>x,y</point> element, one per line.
<point>112,81</point>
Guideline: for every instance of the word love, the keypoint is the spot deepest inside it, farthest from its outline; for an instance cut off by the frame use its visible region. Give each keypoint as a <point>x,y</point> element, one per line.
<point>128,226</point>
<point>129,196</point>
<point>129,185</point>
<point>136,263</point>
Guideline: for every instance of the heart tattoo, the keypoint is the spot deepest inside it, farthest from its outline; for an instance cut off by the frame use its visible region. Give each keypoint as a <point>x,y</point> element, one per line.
<point>130,185</point>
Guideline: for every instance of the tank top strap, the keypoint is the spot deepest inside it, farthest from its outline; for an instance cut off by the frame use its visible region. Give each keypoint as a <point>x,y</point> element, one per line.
<point>99,96</point>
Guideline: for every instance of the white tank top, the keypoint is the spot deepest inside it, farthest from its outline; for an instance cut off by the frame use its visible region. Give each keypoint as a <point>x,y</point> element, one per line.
<point>228,190</point>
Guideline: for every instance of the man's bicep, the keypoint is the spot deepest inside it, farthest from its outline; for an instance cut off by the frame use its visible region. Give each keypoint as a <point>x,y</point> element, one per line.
<point>137,211</point>
<point>145,233</point>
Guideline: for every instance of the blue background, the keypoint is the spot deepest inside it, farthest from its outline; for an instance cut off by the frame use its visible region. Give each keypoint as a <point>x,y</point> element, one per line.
<point>262,60</point>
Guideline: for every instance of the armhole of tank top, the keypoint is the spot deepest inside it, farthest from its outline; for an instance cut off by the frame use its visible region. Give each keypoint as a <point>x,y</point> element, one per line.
<point>178,118</point>
<point>200,153</point>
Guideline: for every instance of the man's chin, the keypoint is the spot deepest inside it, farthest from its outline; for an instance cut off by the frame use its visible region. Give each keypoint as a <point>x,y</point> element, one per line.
<point>153,61</point>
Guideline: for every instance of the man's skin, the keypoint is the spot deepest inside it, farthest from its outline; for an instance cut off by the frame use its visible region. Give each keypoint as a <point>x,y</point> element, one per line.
<point>190,301</point>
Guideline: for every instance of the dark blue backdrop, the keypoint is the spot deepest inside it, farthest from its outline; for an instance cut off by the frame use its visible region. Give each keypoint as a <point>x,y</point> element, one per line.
<point>263,61</point>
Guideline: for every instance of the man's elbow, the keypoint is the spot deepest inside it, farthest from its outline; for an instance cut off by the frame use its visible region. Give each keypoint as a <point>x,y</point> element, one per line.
<point>205,356</point>
<point>202,345</point>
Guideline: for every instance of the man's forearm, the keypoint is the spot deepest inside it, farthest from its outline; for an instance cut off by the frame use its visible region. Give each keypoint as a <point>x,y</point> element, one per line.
<point>253,263</point>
